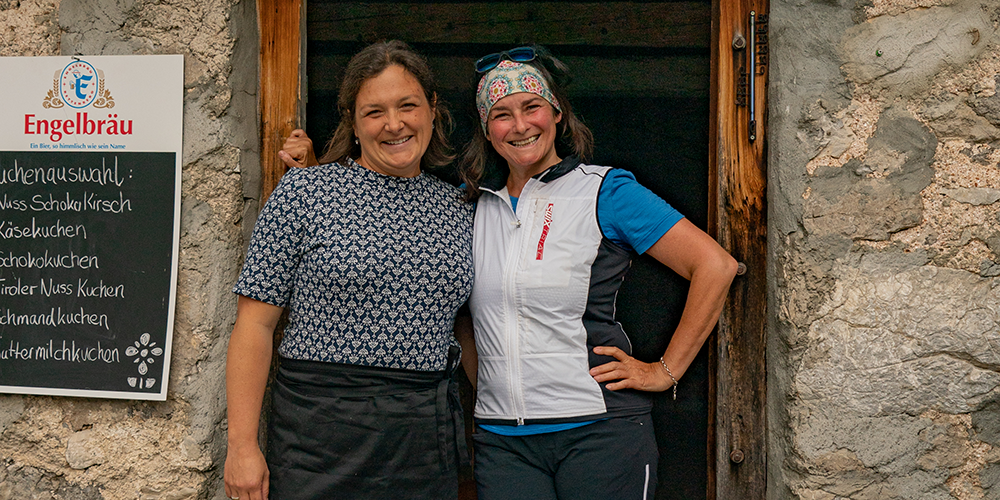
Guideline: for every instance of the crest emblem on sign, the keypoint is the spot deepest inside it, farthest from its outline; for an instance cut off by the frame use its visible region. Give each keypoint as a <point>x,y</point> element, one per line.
<point>78,85</point>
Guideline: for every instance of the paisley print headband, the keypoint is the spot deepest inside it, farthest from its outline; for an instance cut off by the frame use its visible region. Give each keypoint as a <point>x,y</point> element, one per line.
<point>508,78</point>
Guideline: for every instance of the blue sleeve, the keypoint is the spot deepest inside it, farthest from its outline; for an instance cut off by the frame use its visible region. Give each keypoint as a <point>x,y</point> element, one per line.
<point>630,215</point>
<point>274,252</point>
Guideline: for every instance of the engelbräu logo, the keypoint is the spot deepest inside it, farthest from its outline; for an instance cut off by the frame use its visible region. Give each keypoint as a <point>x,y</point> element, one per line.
<point>78,85</point>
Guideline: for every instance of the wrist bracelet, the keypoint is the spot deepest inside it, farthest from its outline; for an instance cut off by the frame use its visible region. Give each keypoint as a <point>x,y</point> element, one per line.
<point>671,376</point>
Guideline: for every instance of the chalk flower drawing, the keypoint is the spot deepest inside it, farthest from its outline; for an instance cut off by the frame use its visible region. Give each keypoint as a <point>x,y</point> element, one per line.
<point>144,353</point>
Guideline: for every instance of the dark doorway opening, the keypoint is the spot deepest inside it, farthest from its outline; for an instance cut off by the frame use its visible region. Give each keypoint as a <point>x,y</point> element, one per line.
<point>641,82</point>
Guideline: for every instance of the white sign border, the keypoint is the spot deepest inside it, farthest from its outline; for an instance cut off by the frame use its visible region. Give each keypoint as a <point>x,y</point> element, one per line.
<point>175,62</point>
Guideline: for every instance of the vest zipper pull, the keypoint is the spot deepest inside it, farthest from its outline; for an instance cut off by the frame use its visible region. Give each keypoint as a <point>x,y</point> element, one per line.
<point>520,421</point>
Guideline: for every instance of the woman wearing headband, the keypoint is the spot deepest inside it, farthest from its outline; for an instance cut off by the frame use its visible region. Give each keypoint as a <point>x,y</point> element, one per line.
<point>562,407</point>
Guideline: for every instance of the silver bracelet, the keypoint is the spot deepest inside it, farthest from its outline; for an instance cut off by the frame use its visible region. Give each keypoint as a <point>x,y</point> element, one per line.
<point>671,376</point>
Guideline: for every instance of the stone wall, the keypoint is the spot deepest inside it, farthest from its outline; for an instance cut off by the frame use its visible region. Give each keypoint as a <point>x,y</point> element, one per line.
<point>884,225</point>
<point>78,448</point>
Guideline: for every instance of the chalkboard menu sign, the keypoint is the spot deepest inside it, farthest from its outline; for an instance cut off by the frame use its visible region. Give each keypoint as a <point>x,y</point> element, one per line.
<point>89,224</point>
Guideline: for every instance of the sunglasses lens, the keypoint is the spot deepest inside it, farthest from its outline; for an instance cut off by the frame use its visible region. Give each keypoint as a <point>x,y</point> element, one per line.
<point>487,63</point>
<point>521,54</point>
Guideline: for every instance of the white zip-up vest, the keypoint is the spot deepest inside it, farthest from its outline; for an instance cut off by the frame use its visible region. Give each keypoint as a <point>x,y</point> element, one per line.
<point>533,303</point>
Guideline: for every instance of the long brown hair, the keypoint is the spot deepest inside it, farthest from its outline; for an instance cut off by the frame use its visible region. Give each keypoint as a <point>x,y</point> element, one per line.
<point>573,138</point>
<point>369,63</point>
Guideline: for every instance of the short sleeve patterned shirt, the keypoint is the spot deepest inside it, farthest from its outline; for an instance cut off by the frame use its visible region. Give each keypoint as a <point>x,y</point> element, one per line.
<point>372,267</point>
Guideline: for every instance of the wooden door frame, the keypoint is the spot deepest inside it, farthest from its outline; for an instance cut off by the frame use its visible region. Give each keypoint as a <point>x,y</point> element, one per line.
<point>737,447</point>
<point>282,109</point>
<point>738,220</point>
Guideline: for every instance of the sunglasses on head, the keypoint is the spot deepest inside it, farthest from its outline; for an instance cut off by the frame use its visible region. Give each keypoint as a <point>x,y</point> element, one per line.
<point>519,54</point>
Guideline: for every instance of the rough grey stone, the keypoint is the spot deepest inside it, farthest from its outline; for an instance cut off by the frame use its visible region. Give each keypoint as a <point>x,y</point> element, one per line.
<point>101,14</point>
<point>82,451</point>
<point>950,117</point>
<point>902,54</point>
<point>28,483</point>
<point>11,408</point>
<point>182,494</point>
<point>982,157</point>
<point>871,210</point>
<point>821,132</point>
<point>989,269</point>
<point>205,385</point>
<point>989,107</point>
<point>845,455</point>
<point>805,72</point>
<point>861,207</point>
<point>897,132</point>
<point>989,477</point>
<point>79,413</point>
<point>93,27</point>
<point>925,485</point>
<point>992,240</point>
<point>876,442</point>
<point>860,14</point>
<point>806,273</point>
<point>896,258</point>
<point>925,338</point>
<point>869,457</point>
<point>864,341</point>
<point>973,196</point>
<point>986,423</point>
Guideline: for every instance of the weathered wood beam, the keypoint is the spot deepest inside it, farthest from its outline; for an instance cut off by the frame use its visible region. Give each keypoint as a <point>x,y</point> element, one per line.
<point>280,98</point>
<point>738,432</point>
<point>613,24</point>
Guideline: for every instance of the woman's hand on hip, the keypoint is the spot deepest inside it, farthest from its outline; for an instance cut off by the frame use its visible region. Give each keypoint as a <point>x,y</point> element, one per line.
<point>629,373</point>
<point>246,474</point>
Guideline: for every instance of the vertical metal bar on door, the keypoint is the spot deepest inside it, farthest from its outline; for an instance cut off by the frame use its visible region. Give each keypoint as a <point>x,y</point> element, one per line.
<point>751,74</point>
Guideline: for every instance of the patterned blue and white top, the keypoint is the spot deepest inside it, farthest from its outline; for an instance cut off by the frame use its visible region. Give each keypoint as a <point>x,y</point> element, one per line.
<point>373,267</point>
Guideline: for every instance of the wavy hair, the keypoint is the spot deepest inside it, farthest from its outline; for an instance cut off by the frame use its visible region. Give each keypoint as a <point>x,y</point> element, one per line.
<point>368,64</point>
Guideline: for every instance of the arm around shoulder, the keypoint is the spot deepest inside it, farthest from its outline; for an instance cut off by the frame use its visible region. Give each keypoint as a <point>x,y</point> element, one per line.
<point>297,151</point>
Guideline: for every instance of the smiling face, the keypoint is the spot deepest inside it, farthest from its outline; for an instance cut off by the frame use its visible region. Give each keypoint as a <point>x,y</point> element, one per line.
<point>393,122</point>
<point>522,129</point>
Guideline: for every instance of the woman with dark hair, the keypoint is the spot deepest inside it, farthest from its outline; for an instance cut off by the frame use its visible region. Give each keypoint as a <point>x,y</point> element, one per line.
<point>372,257</point>
<point>562,407</point>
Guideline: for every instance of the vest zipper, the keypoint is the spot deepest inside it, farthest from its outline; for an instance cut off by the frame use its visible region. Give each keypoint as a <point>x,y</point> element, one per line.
<point>514,313</point>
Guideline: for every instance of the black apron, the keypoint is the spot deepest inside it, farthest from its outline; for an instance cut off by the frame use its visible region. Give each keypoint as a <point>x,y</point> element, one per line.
<point>351,432</point>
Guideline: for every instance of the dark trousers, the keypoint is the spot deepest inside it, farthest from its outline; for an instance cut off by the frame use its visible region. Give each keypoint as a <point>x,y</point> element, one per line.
<point>612,459</point>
